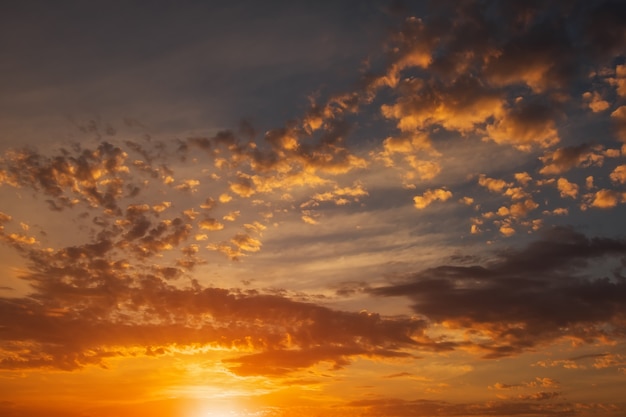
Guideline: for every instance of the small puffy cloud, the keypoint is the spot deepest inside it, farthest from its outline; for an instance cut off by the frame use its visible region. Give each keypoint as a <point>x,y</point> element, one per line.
<point>595,101</point>
<point>424,200</point>
<point>492,184</point>
<point>191,213</point>
<point>243,187</point>
<point>232,216</point>
<point>522,208</point>
<point>516,193</point>
<point>619,174</point>
<point>607,198</point>
<point>506,229</point>
<point>308,219</point>
<point>210,224</point>
<point>559,211</point>
<point>161,207</point>
<point>523,178</point>
<point>246,243</point>
<point>566,188</point>
<point>223,198</point>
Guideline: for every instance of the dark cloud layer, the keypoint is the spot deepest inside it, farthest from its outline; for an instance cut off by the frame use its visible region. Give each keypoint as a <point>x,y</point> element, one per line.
<point>291,335</point>
<point>543,292</point>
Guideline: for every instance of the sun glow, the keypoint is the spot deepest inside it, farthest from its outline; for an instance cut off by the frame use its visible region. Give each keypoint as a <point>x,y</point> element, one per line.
<point>219,411</point>
<point>217,408</point>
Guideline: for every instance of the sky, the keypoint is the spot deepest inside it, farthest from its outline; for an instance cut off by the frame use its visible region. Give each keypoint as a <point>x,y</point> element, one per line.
<point>290,208</point>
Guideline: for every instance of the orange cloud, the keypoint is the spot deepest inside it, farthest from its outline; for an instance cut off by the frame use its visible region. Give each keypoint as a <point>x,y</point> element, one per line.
<point>595,101</point>
<point>563,159</point>
<point>459,107</point>
<point>619,174</point>
<point>619,116</point>
<point>619,81</point>
<point>492,184</point>
<point>424,200</point>
<point>525,125</point>
<point>210,224</point>
<point>566,188</point>
<point>607,198</point>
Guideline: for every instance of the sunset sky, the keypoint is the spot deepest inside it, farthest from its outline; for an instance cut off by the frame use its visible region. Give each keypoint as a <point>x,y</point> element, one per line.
<point>293,208</point>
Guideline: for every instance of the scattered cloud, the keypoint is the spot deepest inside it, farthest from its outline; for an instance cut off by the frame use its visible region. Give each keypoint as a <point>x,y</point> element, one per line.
<point>429,196</point>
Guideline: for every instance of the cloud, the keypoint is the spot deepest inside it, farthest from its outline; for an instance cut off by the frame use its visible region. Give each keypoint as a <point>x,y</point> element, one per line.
<point>619,117</point>
<point>582,362</point>
<point>339,196</point>
<point>619,81</point>
<point>540,396</point>
<point>605,199</point>
<point>530,59</point>
<point>95,177</point>
<point>525,297</point>
<point>430,196</point>
<point>492,184</point>
<point>210,224</point>
<point>619,174</point>
<point>595,101</point>
<point>525,125</point>
<point>564,159</point>
<point>289,335</point>
<point>518,210</point>
<point>457,107</point>
<point>566,188</point>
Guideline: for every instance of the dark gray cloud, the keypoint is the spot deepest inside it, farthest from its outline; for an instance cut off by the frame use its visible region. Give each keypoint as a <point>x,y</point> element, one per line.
<point>524,297</point>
